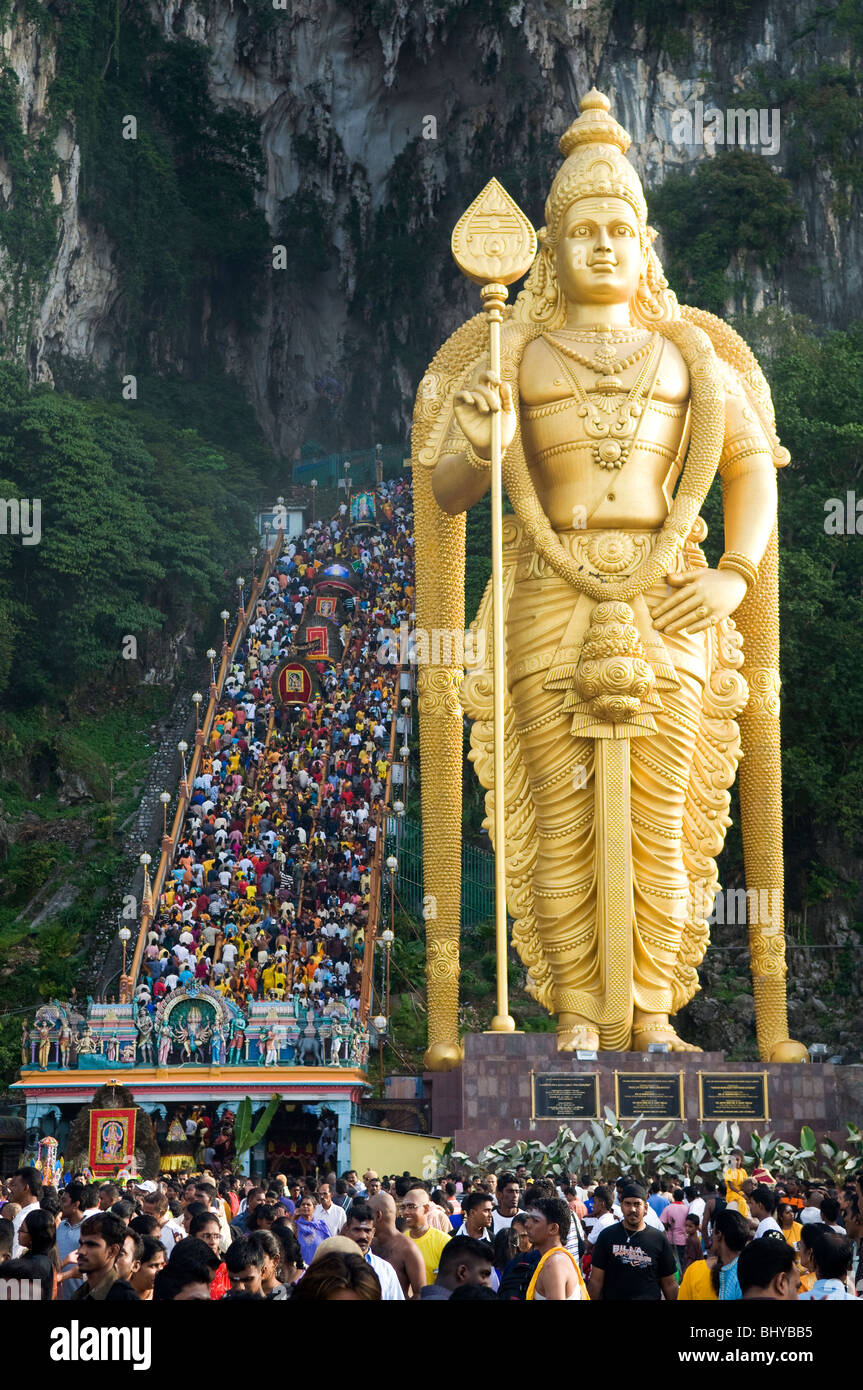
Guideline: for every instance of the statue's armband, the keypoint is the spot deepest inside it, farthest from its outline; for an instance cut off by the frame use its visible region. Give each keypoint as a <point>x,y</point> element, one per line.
<point>746,447</point>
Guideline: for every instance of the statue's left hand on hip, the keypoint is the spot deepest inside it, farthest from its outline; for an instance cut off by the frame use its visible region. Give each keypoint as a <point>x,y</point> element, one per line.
<point>699,598</point>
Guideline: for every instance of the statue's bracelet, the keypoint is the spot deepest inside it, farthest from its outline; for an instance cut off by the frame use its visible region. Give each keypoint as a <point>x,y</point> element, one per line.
<point>476,462</point>
<point>741,564</point>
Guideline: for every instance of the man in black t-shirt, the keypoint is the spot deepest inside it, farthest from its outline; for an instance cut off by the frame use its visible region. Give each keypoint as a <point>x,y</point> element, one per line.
<point>632,1262</point>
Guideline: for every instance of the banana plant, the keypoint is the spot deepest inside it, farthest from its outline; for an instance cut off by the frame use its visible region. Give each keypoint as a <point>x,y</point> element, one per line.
<point>769,1152</point>
<point>244,1136</point>
<point>855,1140</point>
<point>803,1159</point>
<point>563,1153</point>
<point>836,1164</point>
<point>608,1147</point>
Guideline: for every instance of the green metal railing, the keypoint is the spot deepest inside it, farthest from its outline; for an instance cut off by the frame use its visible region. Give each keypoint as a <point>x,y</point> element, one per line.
<point>405,841</point>
<point>329,469</point>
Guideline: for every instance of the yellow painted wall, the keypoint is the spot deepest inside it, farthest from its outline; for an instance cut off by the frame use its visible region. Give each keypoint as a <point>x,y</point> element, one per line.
<point>392,1151</point>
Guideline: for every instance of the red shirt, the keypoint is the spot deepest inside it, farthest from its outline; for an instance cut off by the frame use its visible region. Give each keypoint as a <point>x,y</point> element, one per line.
<point>221,1282</point>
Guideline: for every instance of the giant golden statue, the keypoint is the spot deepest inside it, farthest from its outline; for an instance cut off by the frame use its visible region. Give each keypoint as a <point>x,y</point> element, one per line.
<point>630,693</point>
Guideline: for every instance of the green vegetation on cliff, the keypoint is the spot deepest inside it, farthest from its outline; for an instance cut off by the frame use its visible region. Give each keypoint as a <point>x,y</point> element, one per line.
<point>168,174</point>
<point>734,208</point>
<point>140,515</point>
<point>68,782</point>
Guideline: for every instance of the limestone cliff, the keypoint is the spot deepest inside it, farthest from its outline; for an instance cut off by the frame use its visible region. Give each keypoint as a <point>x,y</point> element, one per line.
<point>377,122</point>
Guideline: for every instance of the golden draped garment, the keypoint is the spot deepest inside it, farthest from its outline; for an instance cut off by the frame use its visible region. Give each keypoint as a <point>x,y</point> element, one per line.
<point>576,803</point>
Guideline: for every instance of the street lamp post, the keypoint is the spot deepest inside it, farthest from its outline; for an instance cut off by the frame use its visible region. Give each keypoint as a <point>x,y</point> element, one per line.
<point>240,585</point>
<point>165,798</point>
<point>407,705</point>
<point>124,935</point>
<point>147,902</point>
<point>211,657</point>
<point>314,487</point>
<point>224,615</point>
<point>196,701</point>
<point>380,1024</point>
<point>254,561</point>
<point>388,936</point>
<point>182,749</point>
<point>404,753</point>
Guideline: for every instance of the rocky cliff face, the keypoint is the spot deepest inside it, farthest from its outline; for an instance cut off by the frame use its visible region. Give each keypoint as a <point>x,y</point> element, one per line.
<point>379,120</point>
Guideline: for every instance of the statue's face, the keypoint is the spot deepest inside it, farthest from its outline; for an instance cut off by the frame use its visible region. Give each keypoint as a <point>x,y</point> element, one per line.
<point>599,258</point>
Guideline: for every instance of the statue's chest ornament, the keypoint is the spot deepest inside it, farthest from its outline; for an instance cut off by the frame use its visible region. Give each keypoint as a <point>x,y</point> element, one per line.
<point>610,423</point>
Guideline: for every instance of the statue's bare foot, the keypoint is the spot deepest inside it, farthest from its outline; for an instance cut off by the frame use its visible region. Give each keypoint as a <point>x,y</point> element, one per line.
<point>576,1034</point>
<point>789,1051</point>
<point>655,1028</point>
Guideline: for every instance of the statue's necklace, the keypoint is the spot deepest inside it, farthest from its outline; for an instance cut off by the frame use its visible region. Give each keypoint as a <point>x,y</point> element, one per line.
<point>605,361</point>
<point>601,330</point>
<point>612,439</point>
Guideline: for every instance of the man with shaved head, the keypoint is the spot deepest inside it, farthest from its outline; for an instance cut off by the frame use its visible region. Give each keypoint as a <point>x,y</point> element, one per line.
<point>415,1208</point>
<point>399,1250</point>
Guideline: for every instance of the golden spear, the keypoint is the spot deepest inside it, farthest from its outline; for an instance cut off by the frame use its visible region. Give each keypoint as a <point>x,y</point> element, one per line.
<point>494,244</point>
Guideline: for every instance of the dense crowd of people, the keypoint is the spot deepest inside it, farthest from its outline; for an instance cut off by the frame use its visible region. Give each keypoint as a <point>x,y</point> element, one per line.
<point>269,892</point>
<point>503,1236</point>
<point>268,898</point>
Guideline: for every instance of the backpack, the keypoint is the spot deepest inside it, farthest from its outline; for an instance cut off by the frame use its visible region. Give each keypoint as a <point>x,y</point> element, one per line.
<point>516,1277</point>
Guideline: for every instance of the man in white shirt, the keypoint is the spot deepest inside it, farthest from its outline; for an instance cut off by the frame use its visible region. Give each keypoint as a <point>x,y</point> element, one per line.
<point>72,1199</point>
<point>696,1205</point>
<point>508,1194</point>
<point>601,1216</point>
<point>762,1204</point>
<point>206,1192</point>
<point>332,1216</point>
<point>155,1204</point>
<point>830,1215</point>
<point>651,1219</point>
<point>360,1228</point>
<point>25,1185</point>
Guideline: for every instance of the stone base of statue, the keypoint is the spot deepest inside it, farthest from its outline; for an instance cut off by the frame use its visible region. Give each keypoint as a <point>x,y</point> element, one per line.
<point>518,1086</point>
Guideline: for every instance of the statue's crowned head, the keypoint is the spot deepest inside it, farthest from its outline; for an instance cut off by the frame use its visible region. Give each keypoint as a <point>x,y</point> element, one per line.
<point>595,175</point>
<point>595,166</point>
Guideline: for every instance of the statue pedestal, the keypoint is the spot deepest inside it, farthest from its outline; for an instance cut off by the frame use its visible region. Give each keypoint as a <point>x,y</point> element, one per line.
<point>518,1086</point>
